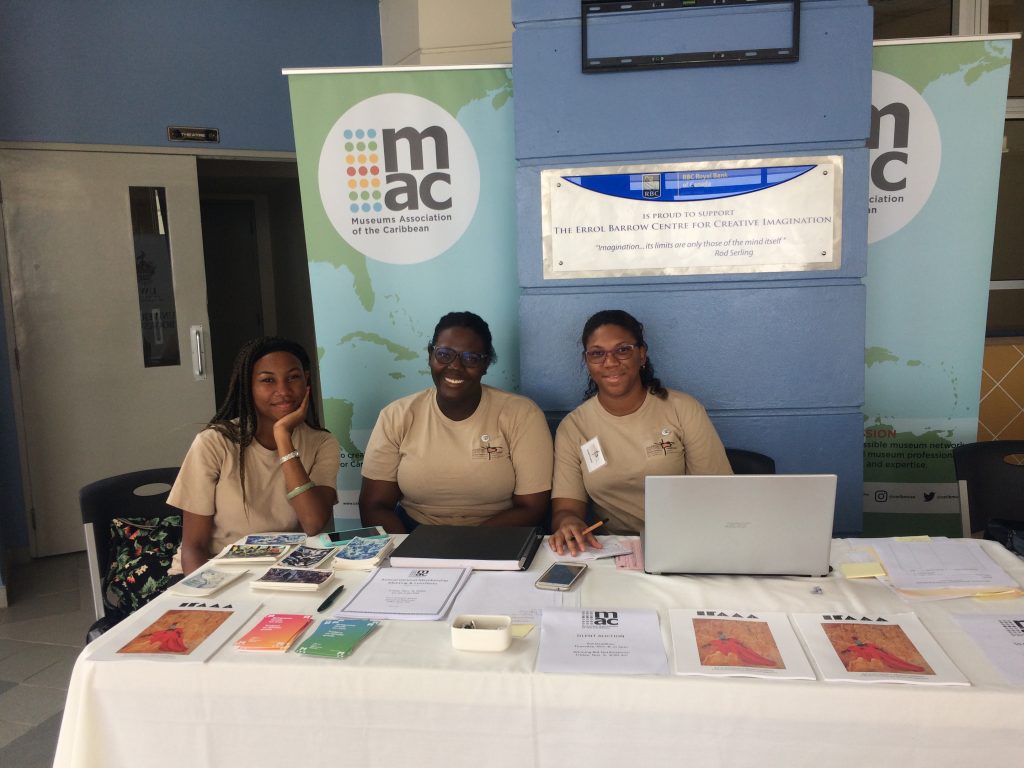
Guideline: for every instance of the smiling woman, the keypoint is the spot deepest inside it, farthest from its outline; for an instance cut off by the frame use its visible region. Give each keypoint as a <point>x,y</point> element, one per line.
<point>633,428</point>
<point>460,453</point>
<point>263,463</point>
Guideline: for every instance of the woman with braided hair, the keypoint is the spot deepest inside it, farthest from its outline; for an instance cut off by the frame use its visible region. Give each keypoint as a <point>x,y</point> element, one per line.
<point>263,463</point>
<point>633,428</point>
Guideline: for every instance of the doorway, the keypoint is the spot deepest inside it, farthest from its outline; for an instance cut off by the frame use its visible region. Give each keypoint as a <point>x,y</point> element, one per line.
<point>77,290</point>
<point>234,298</point>
<point>106,297</point>
<point>257,278</point>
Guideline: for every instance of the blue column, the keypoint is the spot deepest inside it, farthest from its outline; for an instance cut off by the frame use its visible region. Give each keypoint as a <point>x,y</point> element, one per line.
<point>777,358</point>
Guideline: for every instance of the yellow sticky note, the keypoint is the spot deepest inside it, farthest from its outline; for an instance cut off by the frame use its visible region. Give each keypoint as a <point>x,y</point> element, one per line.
<point>521,630</point>
<point>912,538</point>
<point>861,570</point>
<point>1009,594</point>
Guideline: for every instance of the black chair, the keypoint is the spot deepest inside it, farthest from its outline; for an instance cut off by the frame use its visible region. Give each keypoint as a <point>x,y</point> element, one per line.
<point>750,462</point>
<point>554,418</point>
<point>743,462</point>
<point>991,482</point>
<point>141,494</point>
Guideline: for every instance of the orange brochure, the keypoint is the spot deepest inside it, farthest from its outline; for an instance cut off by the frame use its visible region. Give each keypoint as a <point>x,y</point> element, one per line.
<point>274,632</point>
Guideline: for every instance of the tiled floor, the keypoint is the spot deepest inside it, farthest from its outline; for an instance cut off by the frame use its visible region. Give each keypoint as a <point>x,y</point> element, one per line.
<point>41,634</point>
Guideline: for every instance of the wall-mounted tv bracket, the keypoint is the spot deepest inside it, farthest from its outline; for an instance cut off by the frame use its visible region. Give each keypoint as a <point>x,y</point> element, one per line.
<point>785,51</point>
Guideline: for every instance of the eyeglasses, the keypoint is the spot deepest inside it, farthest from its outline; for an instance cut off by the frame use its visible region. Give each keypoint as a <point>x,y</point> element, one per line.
<point>447,356</point>
<point>621,352</point>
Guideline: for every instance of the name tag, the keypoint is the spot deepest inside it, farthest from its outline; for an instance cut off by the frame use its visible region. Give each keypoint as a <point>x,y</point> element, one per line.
<point>593,456</point>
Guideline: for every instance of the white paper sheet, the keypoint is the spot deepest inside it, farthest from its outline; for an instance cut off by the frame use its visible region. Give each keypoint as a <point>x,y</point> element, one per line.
<point>737,644</point>
<point>425,594</point>
<point>188,630</point>
<point>1001,639</point>
<point>876,649</point>
<point>510,594</point>
<point>596,641</point>
<point>611,546</point>
<point>940,564</point>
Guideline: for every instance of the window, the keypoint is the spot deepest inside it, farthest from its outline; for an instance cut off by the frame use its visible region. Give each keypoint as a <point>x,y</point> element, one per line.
<point>932,18</point>
<point>157,314</point>
<point>912,18</point>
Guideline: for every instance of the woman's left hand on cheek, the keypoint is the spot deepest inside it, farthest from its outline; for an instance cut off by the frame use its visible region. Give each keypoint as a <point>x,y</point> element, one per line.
<point>290,421</point>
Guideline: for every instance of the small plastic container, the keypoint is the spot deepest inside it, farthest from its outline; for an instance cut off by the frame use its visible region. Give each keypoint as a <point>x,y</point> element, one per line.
<point>477,632</point>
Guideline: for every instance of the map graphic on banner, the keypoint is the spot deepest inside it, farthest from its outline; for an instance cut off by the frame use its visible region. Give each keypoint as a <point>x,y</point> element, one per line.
<point>937,124</point>
<point>408,202</point>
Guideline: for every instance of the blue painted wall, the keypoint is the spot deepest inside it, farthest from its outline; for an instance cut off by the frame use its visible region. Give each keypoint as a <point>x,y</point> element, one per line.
<point>121,71</point>
<point>778,359</point>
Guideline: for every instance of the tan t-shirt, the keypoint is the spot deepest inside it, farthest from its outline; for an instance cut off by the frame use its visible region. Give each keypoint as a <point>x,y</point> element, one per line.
<point>460,472</point>
<point>208,484</point>
<point>663,437</point>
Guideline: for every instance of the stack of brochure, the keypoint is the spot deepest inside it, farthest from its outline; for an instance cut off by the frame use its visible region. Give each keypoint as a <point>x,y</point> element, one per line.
<point>252,553</point>
<point>256,548</point>
<point>336,638</point>
<point>288,539</point>
<point>274,632</point>
<point>363,554</point>
<point>292,579</point>
<point>205,581</point>
<point>308,557</point>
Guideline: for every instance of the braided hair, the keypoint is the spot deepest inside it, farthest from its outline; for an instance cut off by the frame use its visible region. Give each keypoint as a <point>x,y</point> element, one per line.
<point>634,327</point>
<point>236,418</point>
<point>473,322</point>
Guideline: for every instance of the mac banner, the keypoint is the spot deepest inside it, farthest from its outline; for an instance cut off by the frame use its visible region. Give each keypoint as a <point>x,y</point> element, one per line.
<point>936,131</point>
<point>408,200</point>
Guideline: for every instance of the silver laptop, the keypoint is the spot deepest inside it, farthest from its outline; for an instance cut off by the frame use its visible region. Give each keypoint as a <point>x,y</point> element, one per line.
<point>739,524</point>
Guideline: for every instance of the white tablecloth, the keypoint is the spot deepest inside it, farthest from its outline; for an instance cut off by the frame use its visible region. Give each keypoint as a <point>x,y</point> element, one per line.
<point>406,698</point>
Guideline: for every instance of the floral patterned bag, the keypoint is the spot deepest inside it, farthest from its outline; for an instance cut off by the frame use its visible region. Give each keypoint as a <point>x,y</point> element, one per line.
<point>140,556</point>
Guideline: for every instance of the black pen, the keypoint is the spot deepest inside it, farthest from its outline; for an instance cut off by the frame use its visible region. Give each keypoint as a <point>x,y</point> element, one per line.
<point>330,599</point>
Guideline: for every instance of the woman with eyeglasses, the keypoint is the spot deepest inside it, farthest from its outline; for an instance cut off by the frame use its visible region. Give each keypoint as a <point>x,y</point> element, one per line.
<point>633,428</point>
<point>459,453</point>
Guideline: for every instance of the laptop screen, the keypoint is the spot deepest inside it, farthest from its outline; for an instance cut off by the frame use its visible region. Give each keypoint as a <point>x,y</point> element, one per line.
<point>739,524</point>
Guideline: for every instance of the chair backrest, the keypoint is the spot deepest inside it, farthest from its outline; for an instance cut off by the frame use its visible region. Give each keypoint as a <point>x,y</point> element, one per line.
<point>745,462</point>
<point>554,418</point>
<point>112,497</point>
<point>990,486</point>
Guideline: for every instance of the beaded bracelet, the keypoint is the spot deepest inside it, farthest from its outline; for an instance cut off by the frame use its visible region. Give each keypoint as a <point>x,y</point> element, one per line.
<point>300,489</point>
<point>289,457</point>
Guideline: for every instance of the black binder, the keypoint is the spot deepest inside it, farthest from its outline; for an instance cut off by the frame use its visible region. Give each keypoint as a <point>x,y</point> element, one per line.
<point>468,546</point>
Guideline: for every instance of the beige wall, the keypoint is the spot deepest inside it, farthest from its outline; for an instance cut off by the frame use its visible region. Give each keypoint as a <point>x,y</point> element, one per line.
<point>429,32</point>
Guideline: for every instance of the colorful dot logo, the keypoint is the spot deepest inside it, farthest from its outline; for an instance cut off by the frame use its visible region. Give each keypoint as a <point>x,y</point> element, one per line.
<point>415,211</point>
<point>362,168</point>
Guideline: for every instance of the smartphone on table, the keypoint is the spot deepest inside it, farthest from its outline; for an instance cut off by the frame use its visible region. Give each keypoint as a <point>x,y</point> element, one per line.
<point>561,576</point>
<point>335,538</point>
